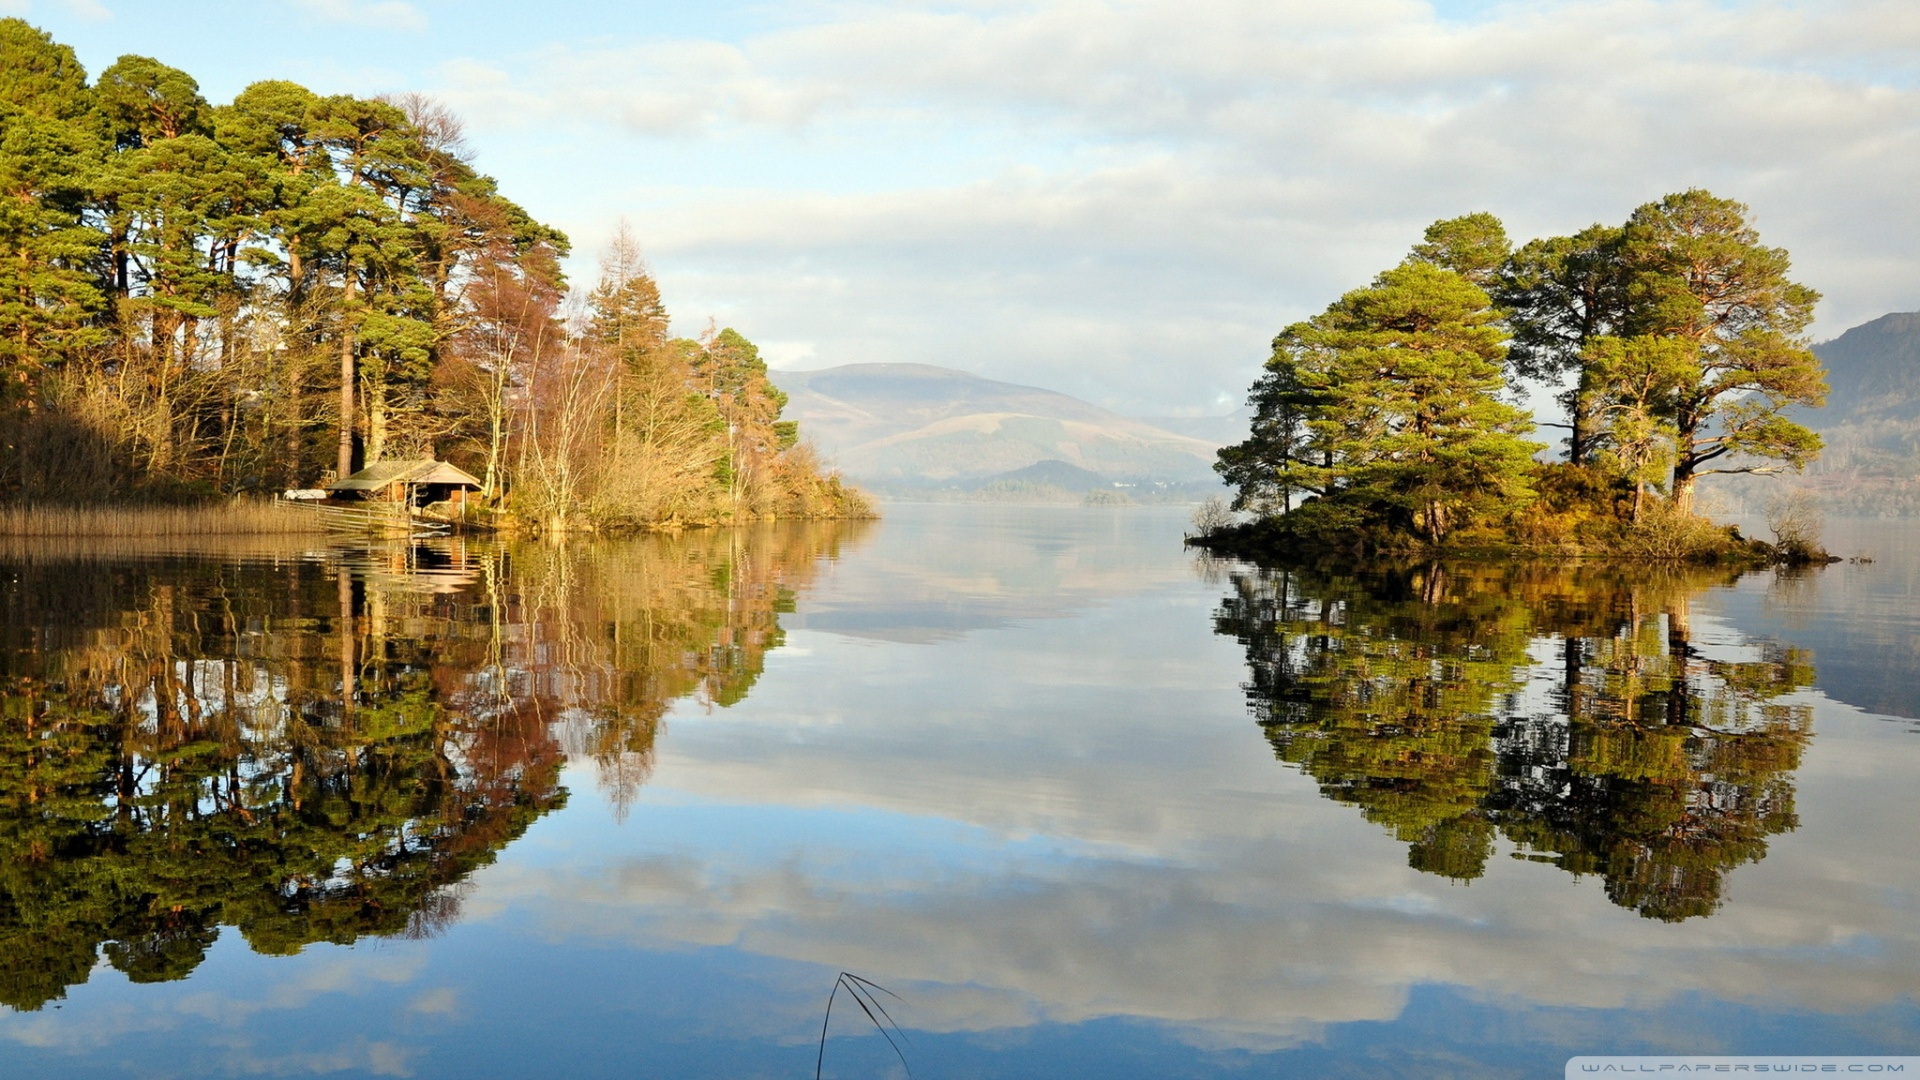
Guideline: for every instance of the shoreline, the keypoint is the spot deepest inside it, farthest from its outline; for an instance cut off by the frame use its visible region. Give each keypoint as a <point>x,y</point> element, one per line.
<point>233,518</point>
<point>1263,543</point>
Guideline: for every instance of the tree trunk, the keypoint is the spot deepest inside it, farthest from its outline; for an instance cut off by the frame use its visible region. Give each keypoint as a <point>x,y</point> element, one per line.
<point>295,468</point>
<point>1683,479</point>
<point>376,421</point>
<point>347,376</point>
<point>496,436</point>
<point>1686,458</point>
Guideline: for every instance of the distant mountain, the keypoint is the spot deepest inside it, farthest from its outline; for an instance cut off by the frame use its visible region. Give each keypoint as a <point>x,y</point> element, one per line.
<point>1050,473</point>
<point>915,424</point>
<point>1871,464</point>
<point>1874,370</point>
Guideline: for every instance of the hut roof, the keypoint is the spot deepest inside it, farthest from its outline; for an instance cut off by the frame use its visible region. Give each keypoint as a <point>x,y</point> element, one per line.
<point>422,471</point>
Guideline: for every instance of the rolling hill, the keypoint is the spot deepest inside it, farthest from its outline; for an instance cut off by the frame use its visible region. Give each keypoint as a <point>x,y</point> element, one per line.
<point>919,425</point>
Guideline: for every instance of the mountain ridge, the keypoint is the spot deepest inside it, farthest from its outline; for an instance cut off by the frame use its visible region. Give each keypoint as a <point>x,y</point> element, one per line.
<point>1874,368</point>
<point>922,424</point>
<point>1871,424</point>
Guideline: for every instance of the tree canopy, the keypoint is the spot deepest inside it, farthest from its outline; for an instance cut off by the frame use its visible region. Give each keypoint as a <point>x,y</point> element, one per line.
<point>1384,410</point>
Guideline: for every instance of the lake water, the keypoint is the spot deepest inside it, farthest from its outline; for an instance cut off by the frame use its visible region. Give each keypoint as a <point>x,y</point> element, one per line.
<point>1087,805</point>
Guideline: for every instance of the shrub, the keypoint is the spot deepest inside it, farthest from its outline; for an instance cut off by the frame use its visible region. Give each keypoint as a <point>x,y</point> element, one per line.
<point>1795,518</point>
<point>1212,516</point>
<point>1667,534</point>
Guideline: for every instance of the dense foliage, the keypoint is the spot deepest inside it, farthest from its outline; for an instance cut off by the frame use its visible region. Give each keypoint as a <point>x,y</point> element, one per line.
<point>1677,342</point>
<point>1384,407</point>
<point>200,298</point>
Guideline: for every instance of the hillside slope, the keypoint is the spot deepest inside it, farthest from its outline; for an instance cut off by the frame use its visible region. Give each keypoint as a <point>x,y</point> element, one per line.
<point>1871,424</point>
<point>1874,370</point>
<point>1869,465</point>
<point>919,424</point>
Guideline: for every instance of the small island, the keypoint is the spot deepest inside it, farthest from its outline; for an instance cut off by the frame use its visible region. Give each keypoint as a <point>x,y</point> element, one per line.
<point>1392,422</point>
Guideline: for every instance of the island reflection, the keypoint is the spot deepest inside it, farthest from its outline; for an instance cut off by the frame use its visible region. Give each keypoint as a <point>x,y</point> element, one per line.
<point>1569,710</point>
<point>325,747</point>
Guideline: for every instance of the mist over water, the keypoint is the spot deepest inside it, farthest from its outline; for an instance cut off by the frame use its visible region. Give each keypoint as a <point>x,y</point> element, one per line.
<point>1089,806</point>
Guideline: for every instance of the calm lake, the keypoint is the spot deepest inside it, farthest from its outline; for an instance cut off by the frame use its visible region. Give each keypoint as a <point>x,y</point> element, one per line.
<point>1089,806</point>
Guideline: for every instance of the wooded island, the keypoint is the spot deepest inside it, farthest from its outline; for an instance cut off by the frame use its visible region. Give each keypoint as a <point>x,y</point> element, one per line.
<point>201,300</point>
<point>1677,343</point>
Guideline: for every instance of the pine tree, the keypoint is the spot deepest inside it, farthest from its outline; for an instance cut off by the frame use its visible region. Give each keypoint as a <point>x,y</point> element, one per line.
<point>1560,293</point>
<point>1697,272</point>
<point>1397,383</point>
<point>1475,246</point>
<point>50,146</point>
<point>1268,469</point>
<point>184,285</point>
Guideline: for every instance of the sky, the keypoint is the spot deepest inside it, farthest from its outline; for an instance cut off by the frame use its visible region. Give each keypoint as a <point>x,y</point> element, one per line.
<point>1120,199</point>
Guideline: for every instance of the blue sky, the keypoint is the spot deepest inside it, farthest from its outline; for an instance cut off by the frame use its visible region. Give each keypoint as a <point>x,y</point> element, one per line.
<point>1122,199</point>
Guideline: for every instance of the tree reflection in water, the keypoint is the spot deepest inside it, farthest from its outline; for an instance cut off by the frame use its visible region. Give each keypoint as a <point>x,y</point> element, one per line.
<point>320,748</point>
<point>1568,710</point>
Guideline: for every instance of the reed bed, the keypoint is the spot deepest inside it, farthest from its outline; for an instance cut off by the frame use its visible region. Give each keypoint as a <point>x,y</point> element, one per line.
<point>241,517</point>
<point>253,547</point>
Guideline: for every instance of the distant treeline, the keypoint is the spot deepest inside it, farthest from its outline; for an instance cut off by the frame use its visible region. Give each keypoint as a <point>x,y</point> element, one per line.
<point>1676,340</point>
<point>201,299</point>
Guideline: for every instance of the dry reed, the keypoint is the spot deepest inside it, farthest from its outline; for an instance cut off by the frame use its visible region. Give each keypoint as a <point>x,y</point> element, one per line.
<point>237,518</point>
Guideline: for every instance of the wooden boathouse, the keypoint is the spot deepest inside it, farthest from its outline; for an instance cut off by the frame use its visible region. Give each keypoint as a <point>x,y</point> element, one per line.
<point>412,484</point>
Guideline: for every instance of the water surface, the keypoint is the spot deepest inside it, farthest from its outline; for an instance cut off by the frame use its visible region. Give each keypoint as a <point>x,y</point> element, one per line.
<point>1089,807</point>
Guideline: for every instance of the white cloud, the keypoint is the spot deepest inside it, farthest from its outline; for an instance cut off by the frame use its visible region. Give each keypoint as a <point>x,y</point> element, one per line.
<point>787,354</point>
<point>443,1000</point>
<point>89,10</point>
<point>380,14</point>
<point>1128,199</point>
